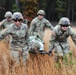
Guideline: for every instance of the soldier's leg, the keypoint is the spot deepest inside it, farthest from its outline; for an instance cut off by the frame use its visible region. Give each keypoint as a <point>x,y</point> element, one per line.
<point>14,55</point>
<point>50,49</point>
<point>58,53</point>
<point>25,54</point>
<point>66,50</point>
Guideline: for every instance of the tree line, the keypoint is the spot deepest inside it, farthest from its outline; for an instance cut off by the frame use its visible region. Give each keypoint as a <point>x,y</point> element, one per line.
<point>54,9</point>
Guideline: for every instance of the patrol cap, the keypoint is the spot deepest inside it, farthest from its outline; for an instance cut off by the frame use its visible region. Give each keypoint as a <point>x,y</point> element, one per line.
<point>64,21</point>
<point>8,14</point>
<point>41,12</point>
<point>17,15</point>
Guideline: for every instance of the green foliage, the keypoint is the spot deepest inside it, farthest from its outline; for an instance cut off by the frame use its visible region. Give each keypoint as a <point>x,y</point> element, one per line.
<point>60,7</point>
<point>15,8</point>
<point>69,61</point>
<point>65,59</point>
<point>58,65</point>
<point>55,9</point>
<point>44,3</point>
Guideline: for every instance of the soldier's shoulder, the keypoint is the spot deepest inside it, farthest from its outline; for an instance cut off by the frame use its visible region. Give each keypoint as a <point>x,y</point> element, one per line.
<point>56,28</point>
<point>70,29</point>
<point>35,19</point>
<point>45,19</point>
<point>11,25</point>
<point>4,20</point>
<point>24,25</point>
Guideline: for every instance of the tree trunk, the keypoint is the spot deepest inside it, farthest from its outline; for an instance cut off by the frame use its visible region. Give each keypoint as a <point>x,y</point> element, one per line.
<point>69,9</point>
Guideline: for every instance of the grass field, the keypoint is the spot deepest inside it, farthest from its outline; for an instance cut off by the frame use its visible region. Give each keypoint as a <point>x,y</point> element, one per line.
<point>37,64</point>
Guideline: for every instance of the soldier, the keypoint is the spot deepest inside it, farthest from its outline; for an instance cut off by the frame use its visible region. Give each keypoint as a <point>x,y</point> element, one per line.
<point>35,44</point>
<point>7,21</point>
<point>59,39</point>
<point>19,44</point>
<point>38,26</point>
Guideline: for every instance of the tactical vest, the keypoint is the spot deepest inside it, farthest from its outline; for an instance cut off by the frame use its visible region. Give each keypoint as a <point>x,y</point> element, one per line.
<point>62,37</point>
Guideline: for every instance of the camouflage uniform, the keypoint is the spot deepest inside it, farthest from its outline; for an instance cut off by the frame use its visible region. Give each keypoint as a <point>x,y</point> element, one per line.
<point>38,26</point>
<point>19,40</point>
<point>19,43</point>
<point>5,23</point>
<point>25,21</point>
<point>59,40</point>
<point>34,42</point>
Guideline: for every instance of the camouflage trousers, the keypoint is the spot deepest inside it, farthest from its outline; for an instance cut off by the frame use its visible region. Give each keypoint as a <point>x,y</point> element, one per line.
<point>61,49</point>
<point>19,53</point>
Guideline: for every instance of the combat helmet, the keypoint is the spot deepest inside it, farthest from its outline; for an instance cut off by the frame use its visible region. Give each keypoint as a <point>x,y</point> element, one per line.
<point>41,12</point>
<point>17,15</point>
<point>8,14</point>
<point>64,21</point>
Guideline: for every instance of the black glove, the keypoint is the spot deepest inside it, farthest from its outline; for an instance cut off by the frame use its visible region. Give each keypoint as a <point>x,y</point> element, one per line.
<point>50,53</point>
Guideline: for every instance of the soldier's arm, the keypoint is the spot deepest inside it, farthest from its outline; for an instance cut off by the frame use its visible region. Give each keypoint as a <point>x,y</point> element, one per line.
<point>49,25</point>
<point>52,39</point>
<point>5,32</point>
<point>54,33</point>
<point>32,26</point>
<point>72,34</point>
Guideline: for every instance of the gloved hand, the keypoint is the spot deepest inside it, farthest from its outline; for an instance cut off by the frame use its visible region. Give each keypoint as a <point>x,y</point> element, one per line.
<point>74,40</point>
<point>50,53</point>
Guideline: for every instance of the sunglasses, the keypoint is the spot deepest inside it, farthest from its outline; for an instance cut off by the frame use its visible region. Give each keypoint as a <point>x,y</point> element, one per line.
<point>64,25</point>
<point>41,14</point>
<point>17,20</point>
<point>8,17</point>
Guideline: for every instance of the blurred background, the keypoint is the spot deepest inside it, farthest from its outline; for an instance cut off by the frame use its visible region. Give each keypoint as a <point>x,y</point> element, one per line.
<point>54,9</point>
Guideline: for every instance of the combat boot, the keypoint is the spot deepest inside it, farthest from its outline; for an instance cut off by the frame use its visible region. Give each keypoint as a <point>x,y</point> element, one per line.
<point>42,52</point>
<point>56,58</point>
<point>32,51</point>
